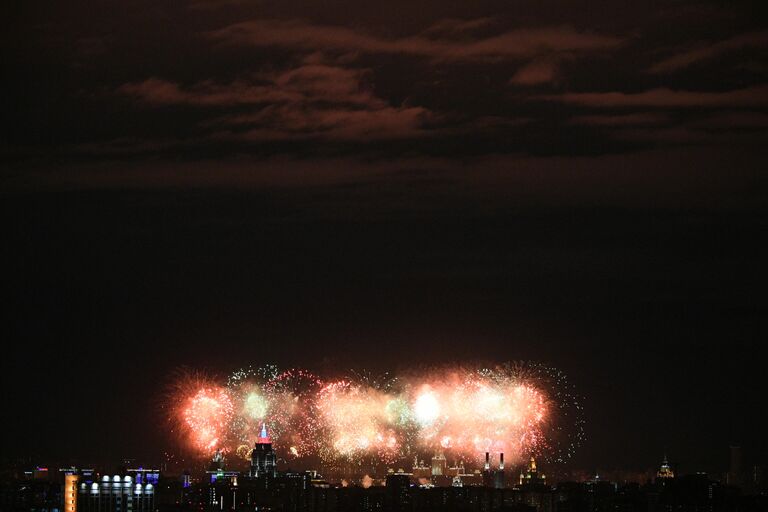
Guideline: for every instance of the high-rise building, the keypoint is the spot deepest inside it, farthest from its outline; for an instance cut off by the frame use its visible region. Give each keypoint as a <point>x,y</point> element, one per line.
<point>115,494</point>
<point>533,488</point>
<point>439,465</point>
<point>69,493</point>
<point>263,457</point>
<point>531,475</point>
<point>221,485</point>
<point>75,481</point>
<point>665,472</point>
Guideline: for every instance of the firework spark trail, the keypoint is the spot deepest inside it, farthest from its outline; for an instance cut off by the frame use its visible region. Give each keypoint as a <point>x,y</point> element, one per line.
<point>517,409</point>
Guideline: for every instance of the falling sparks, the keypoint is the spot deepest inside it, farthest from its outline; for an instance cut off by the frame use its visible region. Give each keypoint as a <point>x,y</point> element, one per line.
<point>518,409</point>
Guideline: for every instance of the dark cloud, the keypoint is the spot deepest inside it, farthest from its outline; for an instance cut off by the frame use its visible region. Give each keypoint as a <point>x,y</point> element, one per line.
<point>291,122</point>
<point>307,102</point>
<point>638,118</point>
<point>735,120</point>
<point>155,91</point>
<point>307,83</point>
<point>541,71</point>
<point>458,27</point>
<point>703,52</point>
<point>510,44</point>
<point>663,97</point>
<point>246,78</point>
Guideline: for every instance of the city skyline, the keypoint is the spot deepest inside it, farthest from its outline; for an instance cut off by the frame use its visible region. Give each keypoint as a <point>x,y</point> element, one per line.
<point>434,488</point>
<point>262,462</point>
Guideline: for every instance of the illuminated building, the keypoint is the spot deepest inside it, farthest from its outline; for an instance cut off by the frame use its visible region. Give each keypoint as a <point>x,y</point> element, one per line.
<point>531,476</point>
<point>533,489</point>
<point>438,465</point>
<point>439,471</point>
<point>665,472</point>
<point>473,479</point>
<point>115,494</point>
<point>420,470</point>
<point>186,480</point>
<point>217,462</point>
<point>145,476</point>
<point>263,457</point>
<point>456,469</point>
<point>221,484</point>
<point>74,480</point>
<point>39,473</point>
<point>69,493</point>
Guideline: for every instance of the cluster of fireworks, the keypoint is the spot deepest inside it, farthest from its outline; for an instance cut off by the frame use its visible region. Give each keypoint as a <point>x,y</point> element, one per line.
<point>518,409</point>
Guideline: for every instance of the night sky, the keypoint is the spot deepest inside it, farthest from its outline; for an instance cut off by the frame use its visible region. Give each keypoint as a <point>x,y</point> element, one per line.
<point>351,184</point>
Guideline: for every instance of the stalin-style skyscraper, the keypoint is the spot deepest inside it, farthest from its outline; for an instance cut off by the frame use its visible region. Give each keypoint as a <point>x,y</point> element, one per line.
<point>263,458</point>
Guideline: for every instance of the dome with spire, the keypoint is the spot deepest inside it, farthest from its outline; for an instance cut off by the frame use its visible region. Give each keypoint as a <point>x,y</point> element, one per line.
<point>665,470</point>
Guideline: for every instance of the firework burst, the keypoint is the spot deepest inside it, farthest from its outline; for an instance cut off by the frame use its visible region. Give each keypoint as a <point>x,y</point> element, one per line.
<point>515,408</point>
<point>253,405</point>
<point>199,412</point>
<point>356,423</point>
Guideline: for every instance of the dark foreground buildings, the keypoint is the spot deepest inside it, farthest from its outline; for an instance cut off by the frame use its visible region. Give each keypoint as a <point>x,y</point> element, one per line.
<point>262,488</point>
<point>495,492</point>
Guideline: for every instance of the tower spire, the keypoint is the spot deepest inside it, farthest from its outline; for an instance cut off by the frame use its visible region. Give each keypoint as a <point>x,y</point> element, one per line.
<point>263,457</point>
<point>263,435</point>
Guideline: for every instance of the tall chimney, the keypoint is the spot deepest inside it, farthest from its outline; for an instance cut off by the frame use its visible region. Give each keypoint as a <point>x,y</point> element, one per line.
<point>487,461</point>
<point>501,461</point>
